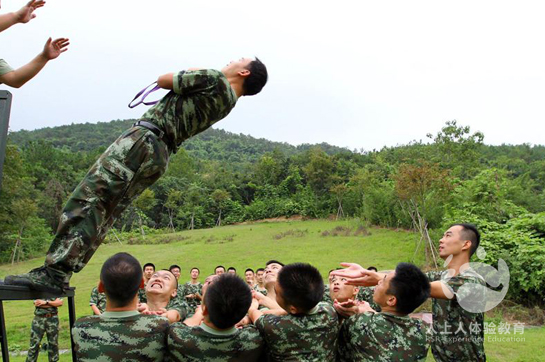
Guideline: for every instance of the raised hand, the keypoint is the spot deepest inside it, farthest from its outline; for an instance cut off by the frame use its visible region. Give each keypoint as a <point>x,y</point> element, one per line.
<point>26,13</point>
<point>358,275</point>
<point>53,49</point>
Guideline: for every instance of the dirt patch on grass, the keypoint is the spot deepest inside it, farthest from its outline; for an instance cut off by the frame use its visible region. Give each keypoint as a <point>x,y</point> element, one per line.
<point>273,219</point>
<point>293,233</point>
<point>347,231</point>
<point>161,239</point>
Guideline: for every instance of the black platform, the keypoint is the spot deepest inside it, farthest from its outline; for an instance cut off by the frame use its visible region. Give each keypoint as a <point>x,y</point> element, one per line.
<point>10,292</point>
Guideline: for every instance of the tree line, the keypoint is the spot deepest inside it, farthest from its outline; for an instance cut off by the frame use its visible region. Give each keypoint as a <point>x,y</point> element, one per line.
<point>220,178</point>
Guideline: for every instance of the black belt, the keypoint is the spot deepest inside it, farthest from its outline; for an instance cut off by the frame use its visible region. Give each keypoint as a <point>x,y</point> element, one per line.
<point>156,130</point>
<point>48,315</point>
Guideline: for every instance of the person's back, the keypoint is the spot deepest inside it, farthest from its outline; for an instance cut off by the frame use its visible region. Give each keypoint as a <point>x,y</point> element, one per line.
<point>368,336</point>
<point>202,343</point>
<point>210,335</point>
<point>121,333</point>
<point>121,336</point>
<point>390,335</point>
<point>309,331</point>
<point>302,337</point>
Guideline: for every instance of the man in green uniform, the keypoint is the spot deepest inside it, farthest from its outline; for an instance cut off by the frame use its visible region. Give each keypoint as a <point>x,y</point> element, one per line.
<point>458,333</point>
<point>161,292</point>
<point>121,333</point>
<point>198,99</point>
<point>192,291</point>
<point>97,301</point>
<point>148,269</point>
<point>390,335</point>
<point>260,282</point>
<point>210,335</point>
<point>309,331</point>
<point>46,322</point>
<point>458,297</point>
<point>16,78</point>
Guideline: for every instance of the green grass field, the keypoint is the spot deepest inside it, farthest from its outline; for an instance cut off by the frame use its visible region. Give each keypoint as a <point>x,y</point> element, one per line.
<point>244,246</point>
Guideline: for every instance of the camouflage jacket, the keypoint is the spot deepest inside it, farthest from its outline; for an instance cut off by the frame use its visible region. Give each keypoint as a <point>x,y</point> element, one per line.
<point>39,311</point>
<point>180,306</point>
<point>205,344</point>
<point>258,289</point>
<point>366,295</point>
<point>382,337</point>
<point>142,298</point>
<point>307,337</point>
<point>121,336</point>
<point>187,289</point>
<point>98,299</point>
<point>199,99</point>
<point>327,294</point>
<point>457,334</point>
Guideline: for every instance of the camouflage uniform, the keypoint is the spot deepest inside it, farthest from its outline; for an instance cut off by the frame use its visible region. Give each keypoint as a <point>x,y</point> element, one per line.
<point>203,343</point>
<point>98,299</point>
<point>180,306</point>
<point>305,337</point>
<point>45,321</point>
<point>134,162</point>
<point>258,289</point>
<point>327,295</point>
<point>192,303</point>
<point>382,337</point>
<point>121,336</point>
<point>458,335</point>
<point>366,295</point>
<point>142,298</point>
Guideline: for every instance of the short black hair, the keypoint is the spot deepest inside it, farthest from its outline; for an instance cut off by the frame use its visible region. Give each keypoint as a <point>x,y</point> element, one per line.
<point>302,285</point>
<point>274,262</point>
<point>227,300</point>
<point>174,266</point>
<point>148,264</point>
<point>259,269</point>
<point>219,266</point>
<point>470,232</point>
<point>410,286</point>
<point>372,268</point>
<point>249,269</point>
<point>176,280</point>
<point>257,79</point>
<point>121,276</point>
<point>190,270</point>
<point>232,268</point>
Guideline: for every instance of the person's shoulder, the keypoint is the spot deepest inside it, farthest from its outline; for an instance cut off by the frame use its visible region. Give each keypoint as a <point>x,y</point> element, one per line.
<point>91,319</point>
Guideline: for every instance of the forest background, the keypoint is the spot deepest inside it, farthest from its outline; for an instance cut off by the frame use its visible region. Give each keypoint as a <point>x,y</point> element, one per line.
<point>220,178</point>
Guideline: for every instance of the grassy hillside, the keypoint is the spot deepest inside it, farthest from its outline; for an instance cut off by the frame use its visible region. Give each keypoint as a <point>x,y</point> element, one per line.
<point>322,243</point>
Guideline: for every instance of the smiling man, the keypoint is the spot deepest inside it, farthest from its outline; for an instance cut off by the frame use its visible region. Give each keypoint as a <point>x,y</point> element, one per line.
<point>161,292</point>
<point>198,98</point>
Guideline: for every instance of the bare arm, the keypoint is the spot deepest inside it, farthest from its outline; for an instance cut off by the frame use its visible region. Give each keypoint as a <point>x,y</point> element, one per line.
<point>195,319</point>
<point>358,275</point>
<point>166,81</point>
<point>23,15</point>
<point>95,309</point>
<point>440,291</point>
<point>55,303</point>
<point>172,315</point>
<point>19,77</point>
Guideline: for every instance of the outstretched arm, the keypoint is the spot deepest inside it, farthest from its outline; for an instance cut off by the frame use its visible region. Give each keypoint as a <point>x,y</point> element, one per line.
<point>166,81</point>
<point>358,275</point>
<point>19,77</point>
<point>23,15</point>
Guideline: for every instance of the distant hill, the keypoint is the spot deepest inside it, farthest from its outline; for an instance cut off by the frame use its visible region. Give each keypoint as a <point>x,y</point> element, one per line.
<point>213,144</point>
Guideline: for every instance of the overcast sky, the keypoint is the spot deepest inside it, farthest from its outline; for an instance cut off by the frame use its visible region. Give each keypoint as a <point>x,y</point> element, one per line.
<point>359,74</point>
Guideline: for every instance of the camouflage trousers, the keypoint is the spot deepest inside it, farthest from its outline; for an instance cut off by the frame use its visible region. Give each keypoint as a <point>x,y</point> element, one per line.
<point>130,165</point>
<point>44,325</point>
